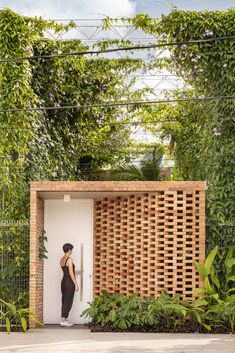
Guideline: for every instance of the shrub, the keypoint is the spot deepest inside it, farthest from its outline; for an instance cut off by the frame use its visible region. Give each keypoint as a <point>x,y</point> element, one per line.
<point>124,312</point>
<point>214,308</point>
<point>13,317</point>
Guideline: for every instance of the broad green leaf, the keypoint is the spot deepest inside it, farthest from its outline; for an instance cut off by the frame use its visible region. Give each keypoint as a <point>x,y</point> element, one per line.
<point>230,263</point>
<point>198,316</point>
<point>216,296</point>
<point>8,325</point>
<point>177,307</point>
<point>23,323</point>
<point>231,290</point>
<point>215,280</point>
<point>200,269</point>
<point>210,259</point>
<point>200,302</point>
<point>208,327</point>
<point>208,286</point>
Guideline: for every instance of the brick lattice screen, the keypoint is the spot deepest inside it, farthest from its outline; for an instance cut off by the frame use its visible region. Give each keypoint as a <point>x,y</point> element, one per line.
<point>147,242</point>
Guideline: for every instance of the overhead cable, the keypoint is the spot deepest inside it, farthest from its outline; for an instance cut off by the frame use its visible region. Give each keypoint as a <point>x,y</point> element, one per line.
<point>116,104</point>
<point>137,47</point>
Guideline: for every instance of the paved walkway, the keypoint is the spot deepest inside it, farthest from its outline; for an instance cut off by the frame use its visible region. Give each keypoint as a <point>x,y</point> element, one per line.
<point>83,341</point>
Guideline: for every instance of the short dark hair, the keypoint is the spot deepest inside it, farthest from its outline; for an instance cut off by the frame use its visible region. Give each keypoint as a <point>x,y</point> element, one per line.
<point>67,247</point>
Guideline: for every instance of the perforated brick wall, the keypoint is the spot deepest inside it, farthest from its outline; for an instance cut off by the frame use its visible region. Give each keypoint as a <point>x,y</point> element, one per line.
<point>149,242</point>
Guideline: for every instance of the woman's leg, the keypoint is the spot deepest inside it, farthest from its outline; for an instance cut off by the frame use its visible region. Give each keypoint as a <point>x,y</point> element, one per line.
<point>67,299</point>
<point>63,291</point>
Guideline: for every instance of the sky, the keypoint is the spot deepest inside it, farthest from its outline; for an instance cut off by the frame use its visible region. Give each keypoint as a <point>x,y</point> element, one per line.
<point>58,9</point>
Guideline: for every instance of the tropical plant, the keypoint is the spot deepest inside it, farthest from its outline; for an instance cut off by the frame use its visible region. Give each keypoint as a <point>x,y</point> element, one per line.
<point>214,308</point>
<point>221,314</point>
<point>196,311</point>
<point>119,310</point>
<point>149,168</point>
<point>214,289</point>
<point>165,310</point>
<point>218,297</point>
<point>124,312</point>
<point>13,317</point>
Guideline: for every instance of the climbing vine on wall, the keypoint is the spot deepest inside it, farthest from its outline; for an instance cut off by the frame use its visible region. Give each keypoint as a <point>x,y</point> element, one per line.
<point>53,145</point>
<point>67,144</point>
<point>208,68</point>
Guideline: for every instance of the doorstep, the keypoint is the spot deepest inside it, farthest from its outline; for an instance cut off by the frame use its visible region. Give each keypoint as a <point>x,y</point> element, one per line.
<point>54,326</point>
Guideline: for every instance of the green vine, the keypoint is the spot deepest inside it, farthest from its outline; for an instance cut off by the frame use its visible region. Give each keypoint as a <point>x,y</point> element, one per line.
<point>54,145</point>
<point>66,145</point>
<point>202,135</point>
<point>42,249</point>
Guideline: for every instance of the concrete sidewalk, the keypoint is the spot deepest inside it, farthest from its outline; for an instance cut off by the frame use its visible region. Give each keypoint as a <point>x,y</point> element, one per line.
<point>59,339</point>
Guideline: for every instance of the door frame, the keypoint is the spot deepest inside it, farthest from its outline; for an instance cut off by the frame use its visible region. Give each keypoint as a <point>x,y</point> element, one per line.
<point>74,233</point>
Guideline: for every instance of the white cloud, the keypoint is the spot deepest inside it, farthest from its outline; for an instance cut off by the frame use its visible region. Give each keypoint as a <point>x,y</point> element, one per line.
<point>72,8</point>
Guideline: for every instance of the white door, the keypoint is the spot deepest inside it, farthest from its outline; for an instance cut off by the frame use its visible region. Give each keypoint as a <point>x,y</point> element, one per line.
<point>67,222</point>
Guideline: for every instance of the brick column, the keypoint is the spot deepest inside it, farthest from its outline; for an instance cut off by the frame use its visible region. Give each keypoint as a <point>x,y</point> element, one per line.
<point>36,264</point>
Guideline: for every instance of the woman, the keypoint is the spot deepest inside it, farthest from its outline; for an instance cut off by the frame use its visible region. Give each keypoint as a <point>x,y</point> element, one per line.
<point>68,284</point>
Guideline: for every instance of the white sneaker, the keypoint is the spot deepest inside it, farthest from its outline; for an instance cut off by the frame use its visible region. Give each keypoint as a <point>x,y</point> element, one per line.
<point>66,323</point>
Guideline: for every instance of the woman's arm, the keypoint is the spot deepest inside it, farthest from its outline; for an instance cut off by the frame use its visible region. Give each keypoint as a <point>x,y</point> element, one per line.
<point>70,262</point>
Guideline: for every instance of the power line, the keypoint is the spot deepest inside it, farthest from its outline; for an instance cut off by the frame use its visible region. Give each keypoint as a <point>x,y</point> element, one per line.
<point>128,154</point>
<point>85,19</point>
<point>120,154</point>
<point>134,123</point>
<point>154,75</point>
<point>132,161</point>
<point>116,104</point>
<point>84,171</point>
<point>103,39</point>
<point>140,47</point>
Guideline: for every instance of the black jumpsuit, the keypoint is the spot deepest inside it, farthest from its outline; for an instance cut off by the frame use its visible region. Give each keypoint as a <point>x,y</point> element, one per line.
<point>67,289</point>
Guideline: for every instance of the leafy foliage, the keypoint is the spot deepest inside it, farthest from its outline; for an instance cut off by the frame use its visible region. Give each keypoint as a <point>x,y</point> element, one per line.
<point>183,125</point>
<point>208,68</point>
<point>52,145</point>
<point>12,316</point>
<point>149,168</point>
<point>66,145</point>
<point>87,138</point>
<point>219,296</point>
<point>123,312</point>
<point>14,269</point>
<point>42,248</point>
<point>215,307</point>
<point>214,289</point>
